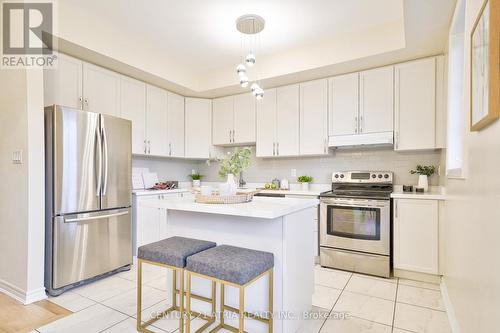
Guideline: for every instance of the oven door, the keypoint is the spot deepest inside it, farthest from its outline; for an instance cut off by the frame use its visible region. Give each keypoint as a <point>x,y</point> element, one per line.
<point>356,224</point>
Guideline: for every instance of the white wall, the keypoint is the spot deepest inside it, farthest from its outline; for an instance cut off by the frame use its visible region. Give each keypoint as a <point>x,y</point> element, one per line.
<point>472,226</point>
<point>22,195</point>
<point>167,169</point>
<point>321,168</point>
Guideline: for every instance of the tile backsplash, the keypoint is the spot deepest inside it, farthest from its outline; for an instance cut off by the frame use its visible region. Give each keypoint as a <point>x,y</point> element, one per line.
<point>321,168</point>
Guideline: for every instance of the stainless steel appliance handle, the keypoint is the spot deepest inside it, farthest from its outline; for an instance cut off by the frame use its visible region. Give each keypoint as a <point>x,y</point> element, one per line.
<point>99,164</point>
<point>105,145</point>
<point>95,217</point>
<point>356,203</point>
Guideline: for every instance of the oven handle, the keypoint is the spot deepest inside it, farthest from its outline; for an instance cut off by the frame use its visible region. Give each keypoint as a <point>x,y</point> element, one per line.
<point>357,203</point>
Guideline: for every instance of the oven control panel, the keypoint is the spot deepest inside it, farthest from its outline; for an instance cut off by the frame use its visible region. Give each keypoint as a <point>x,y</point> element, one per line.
<point>385,177</point>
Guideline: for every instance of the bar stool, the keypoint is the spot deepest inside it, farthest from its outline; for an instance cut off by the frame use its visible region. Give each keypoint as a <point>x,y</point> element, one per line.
<point>232,266</point>
<point>171,253</point>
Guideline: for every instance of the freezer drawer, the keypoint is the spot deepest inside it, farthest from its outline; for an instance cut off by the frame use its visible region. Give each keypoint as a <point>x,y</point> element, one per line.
<point>89,244</point>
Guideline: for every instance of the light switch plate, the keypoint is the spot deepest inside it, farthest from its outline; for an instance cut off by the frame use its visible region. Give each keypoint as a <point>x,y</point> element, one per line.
<point>17,157</point>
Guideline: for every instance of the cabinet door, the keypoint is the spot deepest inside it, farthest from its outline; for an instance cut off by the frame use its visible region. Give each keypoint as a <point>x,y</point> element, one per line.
<point>156,121</point>
<point>63,85</point>
<point>133,108</point>
<point>223,120</point>
<point>287,120</point>
<point>175,125</point>
<point>244,119</point>
<point>416,235</point>
<point>314,117</point>
<point>344,105</point>
<point>147,225</point>
<point>415,100</point>
<point>266,125</point>
<point>198,130</point>
<point>101,90</point>
<point>376,100</point>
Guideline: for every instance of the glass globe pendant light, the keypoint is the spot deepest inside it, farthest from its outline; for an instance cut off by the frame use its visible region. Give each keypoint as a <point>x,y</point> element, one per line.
<point>250,59</point>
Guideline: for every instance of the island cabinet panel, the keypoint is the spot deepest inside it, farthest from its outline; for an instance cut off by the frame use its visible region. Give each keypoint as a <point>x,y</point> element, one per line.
<point>415,101</point>
<point>198,129</point>
<point>133,108</point>
<point>416,235</point>
<point>314,118</point>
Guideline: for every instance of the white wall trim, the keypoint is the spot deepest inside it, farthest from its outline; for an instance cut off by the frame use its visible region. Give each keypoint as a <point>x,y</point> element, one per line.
<point>450,311</point>
<point>20,295</point>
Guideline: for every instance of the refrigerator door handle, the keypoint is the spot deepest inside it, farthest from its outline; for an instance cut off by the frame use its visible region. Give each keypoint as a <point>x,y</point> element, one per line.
<point>99,164</point>
<point>105,150</point>
<point>95,217</point>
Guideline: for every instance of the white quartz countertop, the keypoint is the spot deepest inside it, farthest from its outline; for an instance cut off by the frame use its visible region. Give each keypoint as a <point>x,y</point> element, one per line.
<point>293,192</point>
<point>434,193</point>
<point>260,207</point>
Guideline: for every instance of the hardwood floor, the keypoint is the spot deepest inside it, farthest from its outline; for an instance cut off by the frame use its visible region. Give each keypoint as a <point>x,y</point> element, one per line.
<point>18,318</point>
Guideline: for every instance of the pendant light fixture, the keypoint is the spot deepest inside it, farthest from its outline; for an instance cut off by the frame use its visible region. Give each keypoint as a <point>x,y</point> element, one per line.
<point>249,26</point>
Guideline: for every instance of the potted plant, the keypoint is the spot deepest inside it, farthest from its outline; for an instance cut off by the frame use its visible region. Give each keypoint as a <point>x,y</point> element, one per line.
<point>196,178</point>
<point>232,165</point>
<point>424,172</point>
<point>305,180</point>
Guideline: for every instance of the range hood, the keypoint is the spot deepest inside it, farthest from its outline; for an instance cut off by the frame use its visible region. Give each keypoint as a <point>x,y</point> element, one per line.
<point>366,139</point>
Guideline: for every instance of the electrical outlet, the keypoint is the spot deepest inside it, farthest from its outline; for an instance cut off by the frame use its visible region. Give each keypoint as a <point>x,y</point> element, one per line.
<point>17,157</point>
<point>293,172</point>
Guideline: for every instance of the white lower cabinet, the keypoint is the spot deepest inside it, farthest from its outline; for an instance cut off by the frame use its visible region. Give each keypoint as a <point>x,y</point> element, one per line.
<point>416,232</point>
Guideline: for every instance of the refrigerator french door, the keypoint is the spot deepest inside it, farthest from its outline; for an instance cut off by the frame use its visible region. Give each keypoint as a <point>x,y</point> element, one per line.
<point>88,196</point>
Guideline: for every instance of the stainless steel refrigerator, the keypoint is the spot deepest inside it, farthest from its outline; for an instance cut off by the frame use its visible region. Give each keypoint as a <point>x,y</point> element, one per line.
<point>88,197</point>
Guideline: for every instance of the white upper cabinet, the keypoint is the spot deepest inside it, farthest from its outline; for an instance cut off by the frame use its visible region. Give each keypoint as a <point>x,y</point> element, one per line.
<point>198,129</point>
<point>175,125</point>
<point>266,125</point>
<point>244,119</point>
<point>416,229</point>
<point>63,85</point>
<point>415,100</point>
<point>314,118</point>
<point>376,102</point>
<point>133,108</point>
<point>156,121</point>
<point>344,104</point>
<point>101,90</point>
<point>287,120</point>
<point>223,120</point>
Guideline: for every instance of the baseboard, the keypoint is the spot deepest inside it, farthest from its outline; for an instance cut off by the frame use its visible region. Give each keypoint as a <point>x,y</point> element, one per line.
<point>423,277</point>
<point>450,311</point>
<point>21,295</point>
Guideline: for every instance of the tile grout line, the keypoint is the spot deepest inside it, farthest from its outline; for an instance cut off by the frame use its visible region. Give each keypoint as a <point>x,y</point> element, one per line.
<point>423,307</point>
<point>336,301</point>
<point>395,303</point>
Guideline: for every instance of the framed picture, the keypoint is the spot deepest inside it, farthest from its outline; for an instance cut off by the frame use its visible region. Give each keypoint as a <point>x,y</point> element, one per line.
<point>485,66</point>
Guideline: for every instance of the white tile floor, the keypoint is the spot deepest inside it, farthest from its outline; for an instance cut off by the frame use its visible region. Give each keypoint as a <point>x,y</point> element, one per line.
<point>372,305</point>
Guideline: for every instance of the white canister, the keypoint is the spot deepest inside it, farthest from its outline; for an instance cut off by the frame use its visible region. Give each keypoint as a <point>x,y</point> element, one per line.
<point>423,182</point>
<point>305,186</point>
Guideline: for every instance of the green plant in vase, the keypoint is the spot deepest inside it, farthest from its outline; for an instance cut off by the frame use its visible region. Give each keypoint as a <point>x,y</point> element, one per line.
<point>305,181</point>
<point>232,165</point>
<point>196,178</point>
<point>424,172</point>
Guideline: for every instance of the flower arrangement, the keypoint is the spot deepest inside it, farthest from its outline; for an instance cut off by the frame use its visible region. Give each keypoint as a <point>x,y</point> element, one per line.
<point>235,162</point>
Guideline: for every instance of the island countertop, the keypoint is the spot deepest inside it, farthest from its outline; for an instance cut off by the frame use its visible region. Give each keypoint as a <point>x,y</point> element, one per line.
<point>260,207</point>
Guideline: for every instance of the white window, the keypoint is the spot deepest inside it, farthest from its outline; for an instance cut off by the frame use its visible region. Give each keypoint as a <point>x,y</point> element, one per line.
<point>456,109</point>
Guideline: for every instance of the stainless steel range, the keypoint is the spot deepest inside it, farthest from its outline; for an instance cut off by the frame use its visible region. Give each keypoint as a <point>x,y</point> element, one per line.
<point>355,222</point>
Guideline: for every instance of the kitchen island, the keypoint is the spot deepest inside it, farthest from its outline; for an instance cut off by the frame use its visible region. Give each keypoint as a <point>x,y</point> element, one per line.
<point>282,226</point>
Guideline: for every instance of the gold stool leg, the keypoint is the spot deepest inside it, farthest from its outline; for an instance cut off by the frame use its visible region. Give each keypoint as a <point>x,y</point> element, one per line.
<point>222,303</point>
<point>139,293</point>
<point>242,310</point>
<point>270,301</point>
<point>174,288</point>
<point>188,302</point>
<point>181,301</point>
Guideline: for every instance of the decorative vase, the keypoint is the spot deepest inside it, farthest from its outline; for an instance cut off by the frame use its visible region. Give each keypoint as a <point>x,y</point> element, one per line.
<point>231,186</point>
<point>196,183</point>
<point>423,182</point>
<point>305,186</point>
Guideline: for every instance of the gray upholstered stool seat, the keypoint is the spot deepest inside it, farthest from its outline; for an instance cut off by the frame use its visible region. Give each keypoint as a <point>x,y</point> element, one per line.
<point>230,263</point>
<point>173,251</point>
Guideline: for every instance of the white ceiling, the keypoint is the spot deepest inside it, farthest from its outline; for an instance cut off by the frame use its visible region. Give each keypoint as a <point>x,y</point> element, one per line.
<point>194,43</point>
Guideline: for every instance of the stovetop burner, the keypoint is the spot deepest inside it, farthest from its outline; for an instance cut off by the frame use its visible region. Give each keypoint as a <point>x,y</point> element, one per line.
<point>361,184</point>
